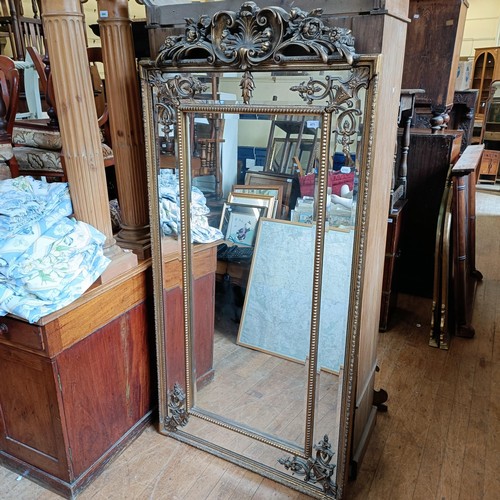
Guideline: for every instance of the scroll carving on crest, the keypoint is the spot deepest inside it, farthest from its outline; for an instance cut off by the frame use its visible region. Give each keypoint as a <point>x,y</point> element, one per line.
<point>318,469</point>
<point>255,36</point>
<point>343,101</point>
<point>170,91</point>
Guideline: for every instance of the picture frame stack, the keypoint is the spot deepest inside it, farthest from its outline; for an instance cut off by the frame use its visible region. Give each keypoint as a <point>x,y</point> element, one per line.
<point>245,206</point>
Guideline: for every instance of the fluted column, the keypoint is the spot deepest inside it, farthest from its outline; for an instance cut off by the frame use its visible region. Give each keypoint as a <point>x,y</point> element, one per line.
<point>126,123</point>
<point>81,143</point>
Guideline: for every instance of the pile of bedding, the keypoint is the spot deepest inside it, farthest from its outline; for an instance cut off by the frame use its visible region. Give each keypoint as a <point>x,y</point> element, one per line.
<point>47,258</point>
<point>201,232</point>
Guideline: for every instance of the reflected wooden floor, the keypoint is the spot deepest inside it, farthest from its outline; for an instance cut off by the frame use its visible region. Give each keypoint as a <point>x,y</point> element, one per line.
<point>247,382</point>
<point>440,438</point>
<point>266,392</point>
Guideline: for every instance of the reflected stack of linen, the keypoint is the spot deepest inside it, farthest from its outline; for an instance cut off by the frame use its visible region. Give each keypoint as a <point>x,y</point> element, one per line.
<point>47,259</point>
<point>168,188</point>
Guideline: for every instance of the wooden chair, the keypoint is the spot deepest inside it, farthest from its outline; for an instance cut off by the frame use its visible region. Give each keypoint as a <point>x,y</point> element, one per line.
<point>9,93</point>
<point>37,143</point>
<point>9,87</point>
<point>20,29</point>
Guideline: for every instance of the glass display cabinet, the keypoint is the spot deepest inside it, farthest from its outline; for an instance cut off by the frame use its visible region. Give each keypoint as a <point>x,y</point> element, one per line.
<point>486,71</point>
<point>265,328</point>
<point>491,125</point>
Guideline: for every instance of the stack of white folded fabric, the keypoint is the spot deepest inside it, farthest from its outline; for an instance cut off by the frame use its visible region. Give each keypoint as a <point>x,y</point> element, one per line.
<point>201,232</point>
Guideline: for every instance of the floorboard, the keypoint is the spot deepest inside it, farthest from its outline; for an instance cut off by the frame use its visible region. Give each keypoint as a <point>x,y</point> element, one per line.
<point>440,438</point>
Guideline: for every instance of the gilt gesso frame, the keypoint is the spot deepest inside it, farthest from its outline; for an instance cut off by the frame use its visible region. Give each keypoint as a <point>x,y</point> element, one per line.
<point>281,41</point>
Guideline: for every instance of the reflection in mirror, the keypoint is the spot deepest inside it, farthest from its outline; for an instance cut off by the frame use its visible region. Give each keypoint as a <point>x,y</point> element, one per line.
<point>251,307</point>
<point>491,125</point>
<point>260,189</point>
<point>252,237</point>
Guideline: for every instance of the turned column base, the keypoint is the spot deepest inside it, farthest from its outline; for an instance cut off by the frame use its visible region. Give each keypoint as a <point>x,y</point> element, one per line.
<point>135,239</point>
<point>142,249</point>
<point>120,263</point>
<point>440,118</point>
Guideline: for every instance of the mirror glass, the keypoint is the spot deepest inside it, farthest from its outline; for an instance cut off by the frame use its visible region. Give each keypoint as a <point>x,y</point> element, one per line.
<point>491,125</point>
<point>257,210</point>
<point>494,99</point>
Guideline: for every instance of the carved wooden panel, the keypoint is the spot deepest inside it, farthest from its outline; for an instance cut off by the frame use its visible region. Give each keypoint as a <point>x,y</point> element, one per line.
<point>432,52</point>
<point>30,423</point>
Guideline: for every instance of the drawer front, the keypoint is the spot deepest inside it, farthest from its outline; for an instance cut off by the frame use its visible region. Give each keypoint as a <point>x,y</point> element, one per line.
<point>20,333</point>
<point>491,136</point>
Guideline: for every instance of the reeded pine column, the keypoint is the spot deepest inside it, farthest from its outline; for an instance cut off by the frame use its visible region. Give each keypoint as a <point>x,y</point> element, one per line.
<point>64,31</point>
<point>126,123</point>
<point>63,27</point>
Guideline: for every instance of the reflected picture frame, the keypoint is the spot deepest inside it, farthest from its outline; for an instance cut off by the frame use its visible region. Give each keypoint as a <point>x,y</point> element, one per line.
<point>264,179</point>
<point>239,223</point>
<point>275,190</point>
<point>267,201</point>
<point>283,152</point>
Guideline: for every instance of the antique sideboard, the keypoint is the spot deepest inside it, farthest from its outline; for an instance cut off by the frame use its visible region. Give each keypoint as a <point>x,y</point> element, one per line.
<point>76,386</point>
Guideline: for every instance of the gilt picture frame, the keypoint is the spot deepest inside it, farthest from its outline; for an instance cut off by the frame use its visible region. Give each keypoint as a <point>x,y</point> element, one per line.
<point>264,179</point>
<point>239,223</point>
<point>339,87</point>
<point>275,190</point>
<point>267,201</point>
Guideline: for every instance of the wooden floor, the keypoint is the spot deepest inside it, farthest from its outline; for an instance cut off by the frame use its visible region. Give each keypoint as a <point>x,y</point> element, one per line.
<point>440,438</point>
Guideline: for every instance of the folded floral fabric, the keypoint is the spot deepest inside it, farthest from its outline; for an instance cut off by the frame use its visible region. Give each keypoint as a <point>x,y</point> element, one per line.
<point>64,252</point>
<point>24,201</point>
<point>20,302</point>
<point>201,231</point>
<point>50,262</point>
<point>15,243</point>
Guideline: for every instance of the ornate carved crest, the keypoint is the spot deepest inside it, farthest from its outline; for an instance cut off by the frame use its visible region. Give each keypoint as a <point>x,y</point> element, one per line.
<point>316,469</point>
<point>252,36</point>
<point>255,36</point>
<point>178,415</point>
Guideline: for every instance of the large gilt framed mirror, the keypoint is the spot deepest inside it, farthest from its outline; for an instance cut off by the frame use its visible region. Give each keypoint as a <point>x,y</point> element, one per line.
<point>258,270</point>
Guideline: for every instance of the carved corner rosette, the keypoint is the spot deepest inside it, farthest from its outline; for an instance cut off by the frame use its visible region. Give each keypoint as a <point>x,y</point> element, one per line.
<point>177,414</point>
<point>169,91</point>
<point>255,36</point>
<point>316,470</point>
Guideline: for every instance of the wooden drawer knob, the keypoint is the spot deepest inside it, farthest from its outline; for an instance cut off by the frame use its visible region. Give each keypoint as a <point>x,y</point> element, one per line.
<point>4,329</point>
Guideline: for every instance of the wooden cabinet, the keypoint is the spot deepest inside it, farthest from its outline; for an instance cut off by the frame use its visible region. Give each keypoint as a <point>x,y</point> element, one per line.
<point>431,56</point>
<point>390,262</point>
<point>428,164</point>
<point>31,424</point>
<point>491,124</point>
<point>486,70</point>
<point>76,387</point>
<point>488,168</point>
